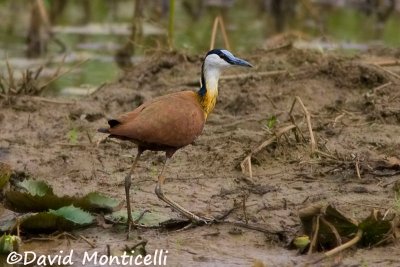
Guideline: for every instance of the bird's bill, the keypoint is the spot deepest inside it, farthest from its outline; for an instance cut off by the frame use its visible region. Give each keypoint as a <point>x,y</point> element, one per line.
<point>241,62</point>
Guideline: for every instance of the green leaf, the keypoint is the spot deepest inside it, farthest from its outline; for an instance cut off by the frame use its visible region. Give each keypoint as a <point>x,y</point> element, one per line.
<point>344,225</point>
<point>63,219</point>
<point>271,122</point>
<point>375,229</point>
<point>331,223</point>
<point>73,136</point>
<point>73,214</point>
<point>25,202</point>
<point>301,242</point>
<point>36,188</point>
<point>333,226</point>
<point>40,197</point>
<point>9,243</point>
<point>95,201</point>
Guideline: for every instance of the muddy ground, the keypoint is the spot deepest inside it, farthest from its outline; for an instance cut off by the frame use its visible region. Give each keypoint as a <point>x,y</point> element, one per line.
<point>350,118</point>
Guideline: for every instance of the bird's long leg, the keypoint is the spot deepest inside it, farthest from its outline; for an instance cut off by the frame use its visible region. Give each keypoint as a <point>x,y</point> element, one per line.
<point>160,194</point>
<point>128,183</point>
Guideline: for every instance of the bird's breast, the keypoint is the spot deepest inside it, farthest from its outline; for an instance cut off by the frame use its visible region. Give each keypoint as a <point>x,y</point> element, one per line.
<point>208,101</point>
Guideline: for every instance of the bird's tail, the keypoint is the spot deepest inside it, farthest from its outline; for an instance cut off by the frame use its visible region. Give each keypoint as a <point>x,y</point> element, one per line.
<point>103,130</point>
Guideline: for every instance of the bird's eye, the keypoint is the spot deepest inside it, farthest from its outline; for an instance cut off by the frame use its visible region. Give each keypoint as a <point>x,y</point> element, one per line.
<point>224,57</point>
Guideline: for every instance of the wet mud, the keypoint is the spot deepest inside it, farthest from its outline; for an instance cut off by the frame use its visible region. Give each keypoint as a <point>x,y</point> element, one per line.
<point>355,112</point>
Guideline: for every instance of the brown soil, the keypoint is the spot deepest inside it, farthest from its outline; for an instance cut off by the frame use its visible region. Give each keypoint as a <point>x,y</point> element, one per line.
<point>206,176</point>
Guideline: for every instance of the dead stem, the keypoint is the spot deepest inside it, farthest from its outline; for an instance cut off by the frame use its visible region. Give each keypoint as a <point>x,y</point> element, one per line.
<point>387,63</point>
<point>11,80</point>
<point>362,204</point>
<point>269,141</point>
<point>53,101</point>
<point>246,219</point>
<point>340,248</point>
<point>252,227</point>
<point>280,132</point>
<point>214,32</point>
<point>334,231</point>
<point>224,34</point>
<point>387,71</point>
<point>326,155</point>
<point>380,87</point>
<point>136,222</point>
<point>308,118</point>
<point>140,243</point>
<point>108,246</point>
<point>337,119</point>
<point>315,235</point>
<point>219,21</point>
<point>357,165</point>
<point>87,241</point>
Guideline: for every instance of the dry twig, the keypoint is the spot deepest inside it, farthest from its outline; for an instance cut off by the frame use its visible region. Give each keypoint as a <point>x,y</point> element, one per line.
<point>308,118</point>
<point>315,235</point>
<point>269,141</point>
<point>53,101</point>
<point>388,63</point>
<point>388,71</point>
<point>342,247</point>
<point>87,241</point>
<point>277,134</point>
<point>357,165</point>
<point>219,21</point>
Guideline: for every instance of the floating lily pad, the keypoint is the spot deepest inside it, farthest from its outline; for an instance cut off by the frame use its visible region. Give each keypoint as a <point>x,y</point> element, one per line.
<point>36,188</point>
<point>98,202</point>
<point>63,219</point>
<point>26,202</point>
<point>38,196</point>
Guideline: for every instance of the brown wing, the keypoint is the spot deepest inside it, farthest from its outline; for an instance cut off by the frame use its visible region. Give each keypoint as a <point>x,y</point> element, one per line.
<point>172,120</point>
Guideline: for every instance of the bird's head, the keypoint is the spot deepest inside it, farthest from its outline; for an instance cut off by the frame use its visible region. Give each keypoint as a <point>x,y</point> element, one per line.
<point>221,59</point>
<point>215,61</point>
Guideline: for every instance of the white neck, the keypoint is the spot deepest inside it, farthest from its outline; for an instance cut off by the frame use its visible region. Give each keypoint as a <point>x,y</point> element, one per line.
<point>211,76</point>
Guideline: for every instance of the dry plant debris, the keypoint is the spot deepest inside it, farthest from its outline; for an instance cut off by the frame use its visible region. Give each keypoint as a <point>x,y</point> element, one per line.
<point>219,21</point>
<point>328,228</point>
<point>282,131</point>
<point>30,82</point>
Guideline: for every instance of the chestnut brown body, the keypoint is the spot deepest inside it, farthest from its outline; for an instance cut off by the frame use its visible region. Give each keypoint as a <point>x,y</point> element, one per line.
<point>165,123</point>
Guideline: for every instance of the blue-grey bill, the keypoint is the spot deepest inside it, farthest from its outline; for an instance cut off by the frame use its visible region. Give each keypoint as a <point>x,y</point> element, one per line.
<point>241,62</point>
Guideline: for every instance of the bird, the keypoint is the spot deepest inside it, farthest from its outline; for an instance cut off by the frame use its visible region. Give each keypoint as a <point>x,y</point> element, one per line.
<point>170,122</point>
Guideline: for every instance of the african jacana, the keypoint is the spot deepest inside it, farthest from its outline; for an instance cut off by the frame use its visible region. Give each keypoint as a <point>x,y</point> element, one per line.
<point>170,122</point>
